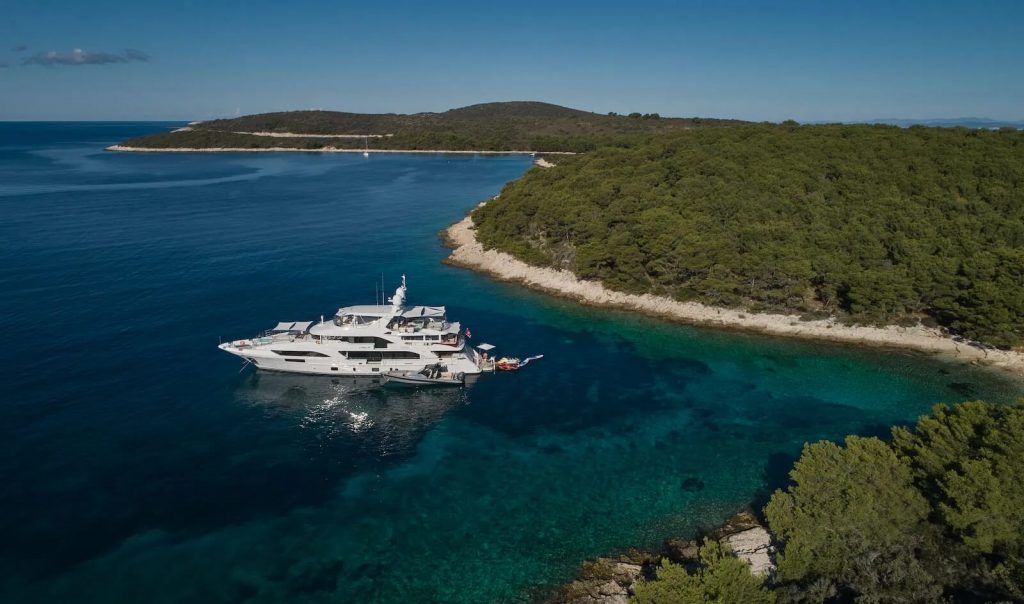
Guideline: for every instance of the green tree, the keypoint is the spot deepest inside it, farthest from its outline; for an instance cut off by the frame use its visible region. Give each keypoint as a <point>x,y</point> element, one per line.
<point>721,578</point>
<point>969,461</point>
<point>854,523</point>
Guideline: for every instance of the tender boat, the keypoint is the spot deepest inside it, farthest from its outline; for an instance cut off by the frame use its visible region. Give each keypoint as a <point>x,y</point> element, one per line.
<point>433,375</point>
<point>507,364</point>
<point>366,340</point>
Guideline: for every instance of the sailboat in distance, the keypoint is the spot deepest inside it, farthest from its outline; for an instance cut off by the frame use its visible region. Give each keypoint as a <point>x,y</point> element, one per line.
<point>366,146</point>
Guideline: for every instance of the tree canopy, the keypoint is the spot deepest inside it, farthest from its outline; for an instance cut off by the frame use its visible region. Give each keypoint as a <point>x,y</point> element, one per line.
<point>937,513</point>
<point>854,518</point>
<point>720,579</point>
<point>874,224</point>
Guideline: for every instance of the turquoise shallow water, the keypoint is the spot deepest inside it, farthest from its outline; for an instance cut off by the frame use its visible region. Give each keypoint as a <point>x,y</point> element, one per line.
<point>140,465</point>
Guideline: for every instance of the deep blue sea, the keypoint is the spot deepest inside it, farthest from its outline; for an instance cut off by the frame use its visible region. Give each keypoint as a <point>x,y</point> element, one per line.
<point>139,464</point>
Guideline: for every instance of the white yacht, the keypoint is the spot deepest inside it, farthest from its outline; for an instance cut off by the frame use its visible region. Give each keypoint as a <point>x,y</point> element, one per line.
<point>369,340</point>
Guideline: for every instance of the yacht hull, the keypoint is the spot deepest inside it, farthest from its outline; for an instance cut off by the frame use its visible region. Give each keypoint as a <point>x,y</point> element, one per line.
<point>337,365</point>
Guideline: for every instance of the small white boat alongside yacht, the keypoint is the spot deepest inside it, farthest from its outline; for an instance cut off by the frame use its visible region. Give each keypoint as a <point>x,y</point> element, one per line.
<point>366,340</point>
<point>431,375</point>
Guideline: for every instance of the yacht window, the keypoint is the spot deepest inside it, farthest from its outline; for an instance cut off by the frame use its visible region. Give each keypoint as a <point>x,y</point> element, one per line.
<point>376,341</point>
<point>347,320</point>
<point>382,342</point>
<point>299,353</point>
<point>376,356</point>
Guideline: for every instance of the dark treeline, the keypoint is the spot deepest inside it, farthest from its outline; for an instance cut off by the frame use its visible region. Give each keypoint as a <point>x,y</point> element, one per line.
<point>872,224</point>
<point>513,126</point>
<point>934,515</point>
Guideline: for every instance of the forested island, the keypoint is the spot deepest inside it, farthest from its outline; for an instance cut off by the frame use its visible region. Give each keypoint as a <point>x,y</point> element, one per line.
<point>932,514</point>
<point>876,225</point>
<point>495,127</point>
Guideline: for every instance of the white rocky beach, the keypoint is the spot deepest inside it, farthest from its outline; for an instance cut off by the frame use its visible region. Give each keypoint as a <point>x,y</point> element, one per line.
<point>327,149</point>
<point>470,253</point>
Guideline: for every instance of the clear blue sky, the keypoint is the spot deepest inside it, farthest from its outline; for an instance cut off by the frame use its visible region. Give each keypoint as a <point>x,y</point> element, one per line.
<point>811,60</point>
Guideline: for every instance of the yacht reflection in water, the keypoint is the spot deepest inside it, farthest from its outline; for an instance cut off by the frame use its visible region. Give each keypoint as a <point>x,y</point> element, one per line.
<point>386,421</point>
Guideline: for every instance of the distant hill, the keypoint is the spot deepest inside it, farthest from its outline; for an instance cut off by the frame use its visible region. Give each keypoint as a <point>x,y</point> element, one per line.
<point>961,122</point>
<point>519,109</point>
<point>505,126</point>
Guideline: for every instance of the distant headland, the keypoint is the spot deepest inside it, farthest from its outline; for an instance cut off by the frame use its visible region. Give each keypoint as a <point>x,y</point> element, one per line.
<point>505,127</point>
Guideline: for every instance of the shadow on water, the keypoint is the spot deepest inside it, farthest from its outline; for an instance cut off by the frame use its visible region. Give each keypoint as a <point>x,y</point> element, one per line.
<point>775,474</point>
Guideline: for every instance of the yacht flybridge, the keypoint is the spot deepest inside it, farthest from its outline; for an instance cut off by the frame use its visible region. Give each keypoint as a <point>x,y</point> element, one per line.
<point>367,340</point>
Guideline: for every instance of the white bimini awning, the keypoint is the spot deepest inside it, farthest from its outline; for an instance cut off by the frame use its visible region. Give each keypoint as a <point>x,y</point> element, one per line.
<point>424,311</point>
<point>485,346</point>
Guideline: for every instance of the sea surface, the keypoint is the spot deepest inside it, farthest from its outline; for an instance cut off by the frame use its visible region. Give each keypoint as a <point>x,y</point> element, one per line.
<point>140,464</point>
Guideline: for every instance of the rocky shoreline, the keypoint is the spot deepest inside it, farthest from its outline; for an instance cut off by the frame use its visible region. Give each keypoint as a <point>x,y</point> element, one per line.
<point>469,253</point>
<point>611,580</point>
<point>328,149</point>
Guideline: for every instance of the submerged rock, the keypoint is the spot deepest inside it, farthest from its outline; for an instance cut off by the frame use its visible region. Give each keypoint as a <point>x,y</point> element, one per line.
<point>962,388</point>
<point>693,484</point>
<point>682,551</point>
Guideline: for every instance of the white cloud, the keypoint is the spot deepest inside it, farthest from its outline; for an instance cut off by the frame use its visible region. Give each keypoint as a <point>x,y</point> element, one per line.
<point>84,57</point>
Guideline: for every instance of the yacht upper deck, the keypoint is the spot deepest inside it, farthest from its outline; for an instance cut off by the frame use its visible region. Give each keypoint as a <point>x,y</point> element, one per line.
<point>376,324</point>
